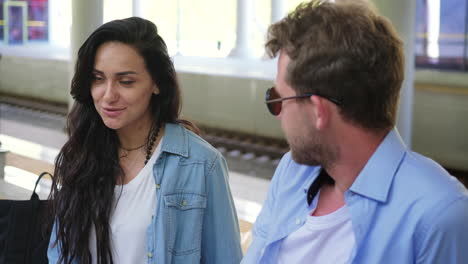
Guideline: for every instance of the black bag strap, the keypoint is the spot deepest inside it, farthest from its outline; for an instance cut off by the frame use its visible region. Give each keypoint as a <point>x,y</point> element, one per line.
<point>34,195</point>
<point>36,218</point>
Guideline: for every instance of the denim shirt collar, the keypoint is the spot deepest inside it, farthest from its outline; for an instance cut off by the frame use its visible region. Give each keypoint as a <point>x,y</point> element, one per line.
<point>375,180</point>
<point>175,140</point>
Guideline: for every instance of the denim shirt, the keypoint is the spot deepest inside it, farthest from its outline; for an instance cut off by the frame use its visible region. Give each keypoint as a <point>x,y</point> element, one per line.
<point>195,219</point>
<point>404,208</point>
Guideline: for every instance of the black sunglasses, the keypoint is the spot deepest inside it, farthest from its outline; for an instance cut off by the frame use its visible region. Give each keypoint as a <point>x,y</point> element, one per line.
<point>274,102</point>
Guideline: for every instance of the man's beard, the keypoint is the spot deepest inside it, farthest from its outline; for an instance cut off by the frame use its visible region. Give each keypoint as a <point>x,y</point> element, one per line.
<point>312,151</point>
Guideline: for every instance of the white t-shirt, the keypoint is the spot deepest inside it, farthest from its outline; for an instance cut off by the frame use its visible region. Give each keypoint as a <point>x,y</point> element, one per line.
<point>136,205</point>
<point>322,239</point>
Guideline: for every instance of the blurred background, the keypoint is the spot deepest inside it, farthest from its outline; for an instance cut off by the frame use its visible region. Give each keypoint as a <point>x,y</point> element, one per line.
<point>217,48</point>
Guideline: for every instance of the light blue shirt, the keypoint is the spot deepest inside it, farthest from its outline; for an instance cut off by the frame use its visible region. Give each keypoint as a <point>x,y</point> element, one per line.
<point>195,221</point>
<point>404,208</point>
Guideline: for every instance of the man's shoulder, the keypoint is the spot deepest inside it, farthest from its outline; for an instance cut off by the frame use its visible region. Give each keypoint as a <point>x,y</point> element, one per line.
<point>424,180</point>
<point>427,173</point>
<point>438,200</point>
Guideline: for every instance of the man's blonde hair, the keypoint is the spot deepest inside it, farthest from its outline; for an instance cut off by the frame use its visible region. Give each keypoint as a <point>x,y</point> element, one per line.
<point>344,50</point>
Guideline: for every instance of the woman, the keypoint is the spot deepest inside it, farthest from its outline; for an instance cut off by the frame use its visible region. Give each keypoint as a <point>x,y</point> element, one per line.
<point>134,183</point>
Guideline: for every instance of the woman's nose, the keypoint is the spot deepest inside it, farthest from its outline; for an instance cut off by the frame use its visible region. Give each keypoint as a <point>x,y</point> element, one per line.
<point>111,93</point>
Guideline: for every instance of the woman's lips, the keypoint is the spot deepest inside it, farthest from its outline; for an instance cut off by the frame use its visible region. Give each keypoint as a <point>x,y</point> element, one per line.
<point>112,112</point>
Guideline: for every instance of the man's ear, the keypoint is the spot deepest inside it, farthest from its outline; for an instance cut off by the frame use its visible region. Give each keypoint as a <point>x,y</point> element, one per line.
<point>321,111</point>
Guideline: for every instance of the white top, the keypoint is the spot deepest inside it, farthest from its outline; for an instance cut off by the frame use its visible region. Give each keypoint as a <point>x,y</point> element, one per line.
<point>135,205</point>
<point>322,239</point>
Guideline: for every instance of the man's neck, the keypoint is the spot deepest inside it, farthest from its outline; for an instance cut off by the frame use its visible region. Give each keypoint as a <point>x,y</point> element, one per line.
<point>356,147</point>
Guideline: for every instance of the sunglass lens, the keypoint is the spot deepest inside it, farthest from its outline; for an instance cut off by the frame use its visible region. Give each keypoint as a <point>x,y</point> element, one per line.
<point>274,108</point>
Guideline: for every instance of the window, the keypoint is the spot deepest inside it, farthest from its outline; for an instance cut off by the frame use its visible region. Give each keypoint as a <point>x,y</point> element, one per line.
<point>261,22</point>
<point>116,9</point>
<point>441,40</point>
<point>208,27</point>
<point>24,21</point>
<point>292,4</point>
<point>196,28</point>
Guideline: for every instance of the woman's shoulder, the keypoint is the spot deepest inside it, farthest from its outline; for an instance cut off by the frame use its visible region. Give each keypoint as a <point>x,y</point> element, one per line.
<point>199,146</point>
<point>191,144</point>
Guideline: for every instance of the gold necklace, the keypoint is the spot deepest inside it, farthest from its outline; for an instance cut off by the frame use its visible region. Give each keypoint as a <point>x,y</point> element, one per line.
<point>132,149</point>
<point>132,164</point>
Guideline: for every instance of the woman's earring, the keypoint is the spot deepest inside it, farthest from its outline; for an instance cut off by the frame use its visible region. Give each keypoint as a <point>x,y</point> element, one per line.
<point>156,90</point>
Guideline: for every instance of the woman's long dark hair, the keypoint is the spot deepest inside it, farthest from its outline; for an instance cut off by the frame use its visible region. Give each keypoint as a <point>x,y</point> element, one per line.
<point>87,167</point>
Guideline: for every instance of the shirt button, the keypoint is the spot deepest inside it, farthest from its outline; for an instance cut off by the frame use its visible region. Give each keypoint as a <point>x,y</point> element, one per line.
<point>150,255</point>
<point>298,221</point>
<point>184,202</point>
<point>158,186</point>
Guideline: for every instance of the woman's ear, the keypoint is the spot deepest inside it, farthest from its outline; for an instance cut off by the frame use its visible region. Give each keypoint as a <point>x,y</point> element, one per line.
<point>155,89</point>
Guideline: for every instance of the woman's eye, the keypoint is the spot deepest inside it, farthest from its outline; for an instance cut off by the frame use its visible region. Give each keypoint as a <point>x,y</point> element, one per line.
<point>97,78</point>
<point>126,82</point>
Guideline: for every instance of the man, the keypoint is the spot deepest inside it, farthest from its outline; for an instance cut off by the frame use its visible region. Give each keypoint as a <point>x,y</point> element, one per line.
<point>350,191</point>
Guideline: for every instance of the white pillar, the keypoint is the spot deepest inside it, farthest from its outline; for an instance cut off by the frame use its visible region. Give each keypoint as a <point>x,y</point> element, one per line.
<point>54,35</point>
<point>87,15</point>
<point>59,23</point>
<point>179,26</point>
<point>278,10</point>
<point>244,25</point>
<point>137,8</point>
<point>402,14</point>
<point>433,28</point>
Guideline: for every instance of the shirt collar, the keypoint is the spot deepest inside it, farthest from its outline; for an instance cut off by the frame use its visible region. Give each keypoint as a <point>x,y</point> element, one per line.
<point>175,140</point>
<point>311,179</point>
<point>320,180</point>
<point>375,179</point>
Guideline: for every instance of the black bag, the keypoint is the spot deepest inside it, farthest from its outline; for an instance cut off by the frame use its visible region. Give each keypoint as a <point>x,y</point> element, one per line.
<point>23,237</point>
